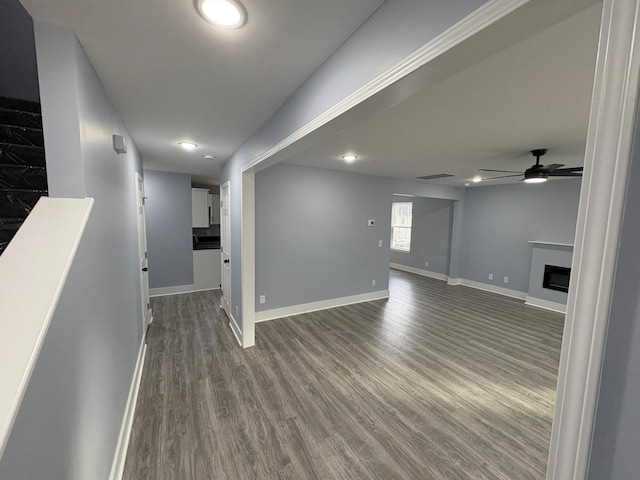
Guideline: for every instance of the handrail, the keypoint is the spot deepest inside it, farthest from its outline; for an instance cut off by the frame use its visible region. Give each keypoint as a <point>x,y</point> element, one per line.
<point>33,272</point>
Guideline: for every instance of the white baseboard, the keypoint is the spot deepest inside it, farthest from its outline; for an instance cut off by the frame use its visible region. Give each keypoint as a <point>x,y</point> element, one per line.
<point>321,305</point>
<point>117,467</point>
<point>419,271</point>
<point>205,289</point>
<point>491,288</point>
<point>546,304</point>
<point>534,302</point>
<point>158,292</point>
<point>235,329</point>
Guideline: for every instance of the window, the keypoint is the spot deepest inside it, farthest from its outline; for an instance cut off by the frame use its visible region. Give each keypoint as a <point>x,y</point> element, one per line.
<point>401,226</point>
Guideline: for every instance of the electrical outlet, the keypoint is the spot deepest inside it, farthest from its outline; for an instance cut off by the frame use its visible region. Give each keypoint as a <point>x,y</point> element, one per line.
<point>263,299</point>
<point>379,243</point>
<point>373,283</point>
<point>426,264</point>
<point>491,276</point>
<point>506,279</point>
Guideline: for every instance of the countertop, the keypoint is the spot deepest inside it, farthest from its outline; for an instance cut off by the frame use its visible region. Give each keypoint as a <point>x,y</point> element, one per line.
<point>207,246</point>
<point>206,242</point>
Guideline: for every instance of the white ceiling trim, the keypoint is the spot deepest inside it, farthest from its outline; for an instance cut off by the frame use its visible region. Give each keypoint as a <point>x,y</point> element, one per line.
<point>489,13</point>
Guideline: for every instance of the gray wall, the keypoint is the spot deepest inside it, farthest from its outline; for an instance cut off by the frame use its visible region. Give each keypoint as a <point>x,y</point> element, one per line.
<point>616,443</point>
<point>430,234</point>
<point>394,31</point>
<point>18,70</point>
<point>312,238</point>
<point>500,220</point>
<point>68,425</point>
<point>168,212</point>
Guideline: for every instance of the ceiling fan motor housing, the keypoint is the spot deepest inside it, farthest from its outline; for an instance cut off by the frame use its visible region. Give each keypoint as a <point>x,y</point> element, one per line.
<point>538,152</point>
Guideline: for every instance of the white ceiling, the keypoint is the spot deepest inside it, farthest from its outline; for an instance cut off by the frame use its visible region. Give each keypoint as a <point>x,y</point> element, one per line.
<point>534,94</point>
<point>173,76</point>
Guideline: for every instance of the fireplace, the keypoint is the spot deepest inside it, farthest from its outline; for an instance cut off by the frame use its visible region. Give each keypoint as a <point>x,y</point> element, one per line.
<point>556,278</point>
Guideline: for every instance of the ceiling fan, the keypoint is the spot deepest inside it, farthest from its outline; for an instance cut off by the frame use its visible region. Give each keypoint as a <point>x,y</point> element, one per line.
<point>539,173</point>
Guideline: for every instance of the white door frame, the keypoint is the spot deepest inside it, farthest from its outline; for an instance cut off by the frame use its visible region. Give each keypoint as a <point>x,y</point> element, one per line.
<point>248,266</point>
<point>225,251</point>
<point>143,258</point>
<point>607,159</point>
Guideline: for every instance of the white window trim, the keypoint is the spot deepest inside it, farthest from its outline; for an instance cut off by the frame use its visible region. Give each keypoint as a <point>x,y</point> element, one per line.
<point>400,249</point>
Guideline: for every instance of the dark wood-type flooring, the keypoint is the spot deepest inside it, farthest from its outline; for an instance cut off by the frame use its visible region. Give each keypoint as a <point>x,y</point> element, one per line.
<point>438,382</point>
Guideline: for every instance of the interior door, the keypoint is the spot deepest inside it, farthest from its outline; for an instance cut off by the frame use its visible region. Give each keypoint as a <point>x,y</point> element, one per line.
<point>225,248</point>
<point>142,254</point>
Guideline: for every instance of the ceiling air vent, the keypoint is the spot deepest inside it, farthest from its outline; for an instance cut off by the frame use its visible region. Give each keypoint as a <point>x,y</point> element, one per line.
<point>437,175</point>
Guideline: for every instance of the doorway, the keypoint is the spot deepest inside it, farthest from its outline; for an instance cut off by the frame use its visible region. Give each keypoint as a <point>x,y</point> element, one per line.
<point>225,249</point>
<point>611,127</point>
<point>143,254</point>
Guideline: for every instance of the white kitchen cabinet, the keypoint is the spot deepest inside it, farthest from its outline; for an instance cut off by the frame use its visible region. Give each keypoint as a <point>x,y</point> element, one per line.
<point>206,269</point>
<point>214,209</point>
<point>200,207</point>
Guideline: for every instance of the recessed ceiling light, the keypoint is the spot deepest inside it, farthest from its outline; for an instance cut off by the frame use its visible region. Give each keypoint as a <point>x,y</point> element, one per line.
<point>349,158</point>
<point>188,145</point>
<point>208,157</point>
<point>477,179</point>
<point>467,184</point>
<point>223,13</point>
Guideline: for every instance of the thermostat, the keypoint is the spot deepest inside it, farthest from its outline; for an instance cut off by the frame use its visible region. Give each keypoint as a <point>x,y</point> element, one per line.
<point>119,145</point>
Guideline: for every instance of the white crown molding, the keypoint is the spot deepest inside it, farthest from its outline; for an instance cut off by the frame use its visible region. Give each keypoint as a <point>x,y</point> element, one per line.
<point>479,19</point>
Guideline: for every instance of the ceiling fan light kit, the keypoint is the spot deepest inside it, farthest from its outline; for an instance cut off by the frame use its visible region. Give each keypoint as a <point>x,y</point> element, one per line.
<point>539,173</point>
<point>535,178</point>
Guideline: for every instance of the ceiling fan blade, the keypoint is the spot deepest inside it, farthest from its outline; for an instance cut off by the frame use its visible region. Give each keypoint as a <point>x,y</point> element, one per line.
<point>552,167</point>
<point>503,176</point>
<point>569,169</point>
<point>559,173</point>
<point>502,171</point>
